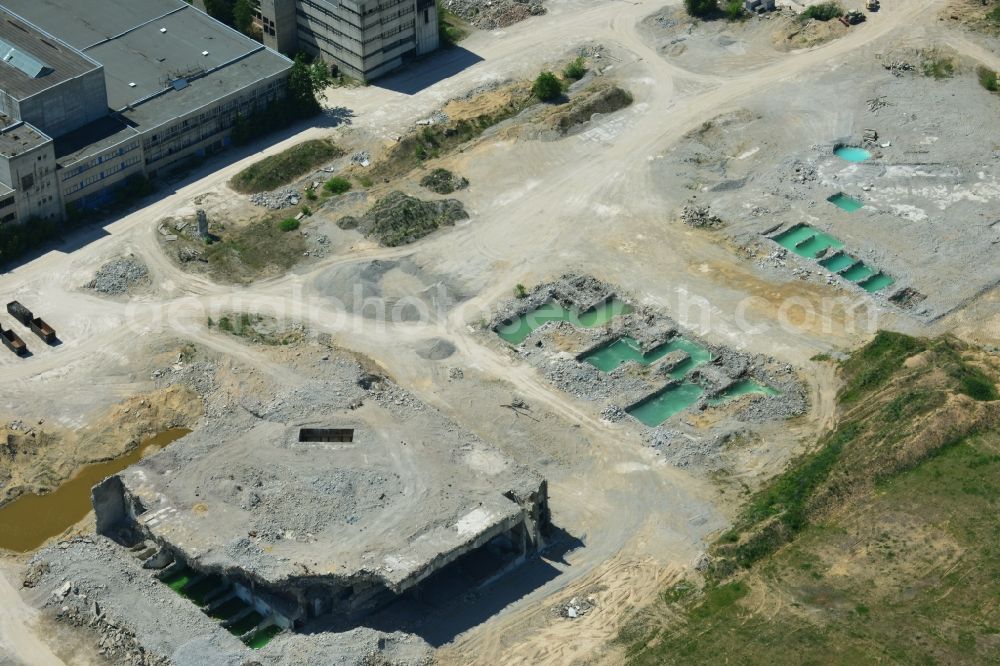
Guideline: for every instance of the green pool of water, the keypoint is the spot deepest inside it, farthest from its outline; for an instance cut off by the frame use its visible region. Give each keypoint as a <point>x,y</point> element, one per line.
<point>857,272</point>
<point>228,609</point>
<point>263,637</point>
<point>696,356</point>
<point>807,242</point>
<point>662,405</point>
<point>876,282</point>
<point>179,579</point>
<point>852,153</point>
<point>202,589</point>
<point>246,624</point>
<point>622,350</point>
<point>519,329</point>
<point>742,387</point>
<point>838,262</point>
<point>845,202</point>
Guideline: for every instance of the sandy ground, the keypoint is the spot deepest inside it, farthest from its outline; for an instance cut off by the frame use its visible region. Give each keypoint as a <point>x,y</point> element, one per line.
<point>586,203</point>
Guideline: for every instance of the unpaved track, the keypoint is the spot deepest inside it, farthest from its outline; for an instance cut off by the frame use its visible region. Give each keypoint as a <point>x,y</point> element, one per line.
<point>641,518</point>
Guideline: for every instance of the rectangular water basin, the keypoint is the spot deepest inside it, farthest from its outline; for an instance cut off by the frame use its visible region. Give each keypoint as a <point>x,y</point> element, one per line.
<point>742,387</point>
<point>876,282</point>
<point>806,242</point>
<point>845,202</point>
<point>623,350</point>
<point>838,262</point>
<point>857,273</point>
<point>852,153</point>
<point>516,331</point>
<point>660,406</point>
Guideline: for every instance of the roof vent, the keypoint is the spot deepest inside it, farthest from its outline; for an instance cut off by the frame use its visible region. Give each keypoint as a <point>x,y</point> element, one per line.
<point>204,52</point>
<point>163,29</point>
<point>131,84</point>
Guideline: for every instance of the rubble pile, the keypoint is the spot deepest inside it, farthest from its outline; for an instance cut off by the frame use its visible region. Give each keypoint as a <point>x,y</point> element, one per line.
<point>119,276</point>
<point>276,200</point>
<point>493,14</point>
<point>398,219</point>
<point>442,181</point>
<point>898,67</point>
<point>700,217</point>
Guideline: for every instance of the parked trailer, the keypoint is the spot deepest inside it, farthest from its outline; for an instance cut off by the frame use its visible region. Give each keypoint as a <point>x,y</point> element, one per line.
<point>19,312</point>
<point>12,342</point>
<point>42,330</point>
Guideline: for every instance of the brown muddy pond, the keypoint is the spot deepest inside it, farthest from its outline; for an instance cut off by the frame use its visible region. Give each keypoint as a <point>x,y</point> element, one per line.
<point>29,520</point>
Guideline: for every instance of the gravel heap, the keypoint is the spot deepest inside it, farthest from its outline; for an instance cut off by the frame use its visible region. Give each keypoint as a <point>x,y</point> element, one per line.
<point>120,276</point>
<point>283,198</point>
<point>493,14</point>
<point>442,181</point>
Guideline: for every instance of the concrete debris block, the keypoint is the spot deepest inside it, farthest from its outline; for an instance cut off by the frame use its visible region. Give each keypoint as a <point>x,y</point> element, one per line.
<point>700,217</point>
<point>362,158</point>
<point>186,254</point>
<point>576,607</point>
<point>119,276</point>
<point>170,237</point>
<point>277,199</point>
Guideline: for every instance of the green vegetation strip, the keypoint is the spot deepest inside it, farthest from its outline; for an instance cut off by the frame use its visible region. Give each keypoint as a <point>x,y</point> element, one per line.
<point>286,166</point>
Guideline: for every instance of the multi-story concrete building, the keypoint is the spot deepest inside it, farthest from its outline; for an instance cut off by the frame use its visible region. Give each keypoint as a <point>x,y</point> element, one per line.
<point>364,38</point>
<point>93,92</point>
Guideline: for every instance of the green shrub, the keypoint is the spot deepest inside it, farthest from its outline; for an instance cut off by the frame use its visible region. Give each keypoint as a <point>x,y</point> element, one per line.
<point>366,181</point>
<point>225,324</point>
<point>823,11</point>
<point>520,291</point>
<point>337,185</point>
<point>307,211</point>
<point>288,224</point>
<point>988,79</point>
<point>734,10</point>
<point>311,193</point>
<point>546,87</point>
<point>701,8</point>
<point>575,69</point>
<point>994,14</point>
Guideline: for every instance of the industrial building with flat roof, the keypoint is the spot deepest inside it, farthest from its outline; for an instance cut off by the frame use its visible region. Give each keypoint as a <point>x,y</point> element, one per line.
<point>94,92</point>
<point>363,38</point>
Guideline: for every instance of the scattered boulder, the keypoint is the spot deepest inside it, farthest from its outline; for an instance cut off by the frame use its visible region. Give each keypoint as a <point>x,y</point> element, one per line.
<point>442,181</point>
<point>700,217</point>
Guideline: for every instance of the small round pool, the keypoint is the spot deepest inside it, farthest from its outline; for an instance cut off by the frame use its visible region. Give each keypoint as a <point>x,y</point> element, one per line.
<point>852,153</point>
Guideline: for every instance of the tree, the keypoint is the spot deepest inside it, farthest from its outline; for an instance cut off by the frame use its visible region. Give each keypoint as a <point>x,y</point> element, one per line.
<point>301,93</point>
<point>319,72</point>
<point>220,10</point>
<point>575,69</point>
<point>701,8</point>
<point>546,87</point>
<point>243,11</point>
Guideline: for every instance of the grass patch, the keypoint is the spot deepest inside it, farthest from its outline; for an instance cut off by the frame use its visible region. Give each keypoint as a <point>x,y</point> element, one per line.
<point>988,78</point>
<point>258,249</point>
<point>875,363</point>
<point>286,166</point>
<point>824,11</point>
<point>289,224</point>
<point>259,330</point>
<point>938,66</point>
<point>451,28</point>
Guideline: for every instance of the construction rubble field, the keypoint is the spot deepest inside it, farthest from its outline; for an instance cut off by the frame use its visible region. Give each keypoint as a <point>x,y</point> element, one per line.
<point>687,354</point>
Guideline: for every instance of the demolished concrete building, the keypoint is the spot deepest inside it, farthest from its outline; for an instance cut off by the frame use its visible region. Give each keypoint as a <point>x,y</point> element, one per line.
<point>328,519</point>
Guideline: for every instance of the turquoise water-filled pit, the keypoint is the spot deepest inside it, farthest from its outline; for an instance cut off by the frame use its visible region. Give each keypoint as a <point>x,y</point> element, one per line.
<point>663,404</point>
<point>262,637</point>
<point>516,331</point>
<point>807,242</point>
<point>838,262</point>
<point>625,349</point>
<point>857,272</point>
<point>845,202</point>
<point>852,153</point>
<point>742,387</point>
<point>876,282</point>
